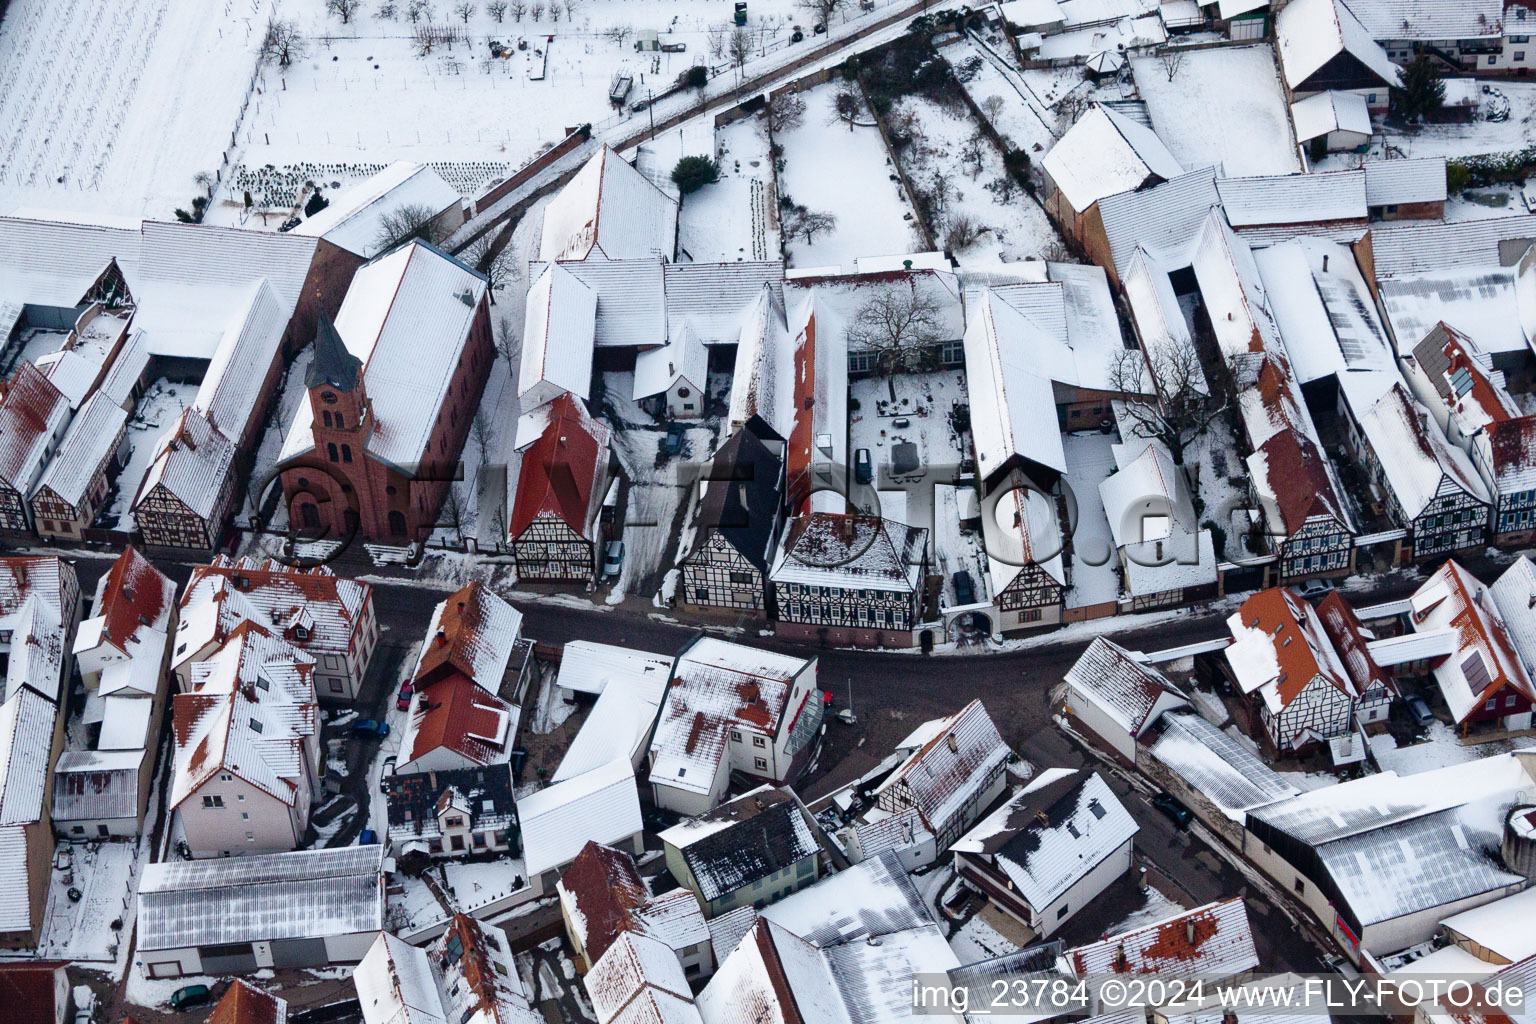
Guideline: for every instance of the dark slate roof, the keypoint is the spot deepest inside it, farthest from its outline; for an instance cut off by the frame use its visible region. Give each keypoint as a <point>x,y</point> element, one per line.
<point>742,498</point>
<point>413,797</point>
<point>764,840</point>
<point>333,363</point>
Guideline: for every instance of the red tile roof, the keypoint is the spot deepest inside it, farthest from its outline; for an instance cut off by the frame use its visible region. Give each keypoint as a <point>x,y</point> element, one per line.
<point>458,714</point>
<point>561,469</point>
<point>243,1003</point>
<point>1294,629</point>
<point>1343,628</point>
<point>456,650</point>
<point>134,595</point>
<point>30,400</point>
<point>27,992</point>
<point>607,889</point>
<point>1299,479</point>
<point>1215,940</point>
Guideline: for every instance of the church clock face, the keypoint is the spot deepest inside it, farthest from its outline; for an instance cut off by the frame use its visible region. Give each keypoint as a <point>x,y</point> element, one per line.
<point>329,398</point>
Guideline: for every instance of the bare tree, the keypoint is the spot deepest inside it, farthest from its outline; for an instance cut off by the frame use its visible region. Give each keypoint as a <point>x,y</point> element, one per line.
<point>717,37</point>
<point>741,48</point>
<point>343,9</point>
<point>940,188</point>
<point>617,34</point>
<point>418,11</point>
<point>571,7</point>
<point>518,9</point>
<point>785,110</point>
<point>554,11</point>
<point>283,43</point>
<point>497,9</point>
<point>498,264</point>
<point>459,512</point>
<point>386,10</point>
<point>821,11</point>
<point>971,154</point>
<point>536,12</point>
<point>506,340</point>
<point>483,435</point>
<point>413,220</point>
<point>800,221</point>
<point>464,10</point>
<point>900,325</point>
<point>1171,61</point>
<point>1180,409</point>
<point>847,104</point>
<point>993,106</point>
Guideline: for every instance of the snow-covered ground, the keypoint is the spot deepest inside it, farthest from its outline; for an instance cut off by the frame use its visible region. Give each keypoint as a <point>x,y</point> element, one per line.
<point>949,148</point>
<point>106,877</point>
<point>1475,137</point>
<point>113,106</point>
<point>475,883</point>
<point>1439,749</point>
<point>271,445</point>
<point>829,168</point>
<point>162,402</point>
<point>1223,106</point>
<point>1095,576</point>
<point>733,219</point>
<point>976,940</point>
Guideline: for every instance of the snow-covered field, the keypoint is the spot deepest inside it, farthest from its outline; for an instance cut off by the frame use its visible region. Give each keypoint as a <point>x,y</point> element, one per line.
<point>1223,106</point>
<point>830,169</point>
<point>733,219</point>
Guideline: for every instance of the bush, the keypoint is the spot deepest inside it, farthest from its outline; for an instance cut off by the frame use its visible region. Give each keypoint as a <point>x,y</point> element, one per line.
<point>696,77</point>
<point>694,172</point>
<point>317,202</point>
<point>961,234</point>
<point>1218,537</point>
<point>1457,176</point>
<point>1318,148</point>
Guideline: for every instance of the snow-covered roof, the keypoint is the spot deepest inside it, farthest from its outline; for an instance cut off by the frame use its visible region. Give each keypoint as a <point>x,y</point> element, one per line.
<point>851,551</point>
<point>1013,407</point>
<point>603,895</point>
<point>251,345</point>
<point>252,713</point>
<point>716,686</point>
<point>1155,309</point>
<point>870,899</point>
<point>1023,532</point>
<point>1279,647</point>
<point>683,359</point>
<point>744,841</point>
<point>875,979</point>
<point>1214,764</point>
<point>601,805</point>
<point>475,632</point>
<point>33,414</point>
<point>620,722</point>
<point>631,298</point>
<point>37,652</point>
<point>308,894</point>
<point>773,977</point>
<point>1310,33</point>
<point>1415,247</point>
<point>1331,111</point>
<point>761,381</point>
<point>589,667</point>
<point>133,608</point>
<point>1213,941</point>
<point>26,739</point>
<point>396,985</point>
<point>1028,14</point>
<point>52,261</point>
<point>1411,180</point>
<point>1430,19</point>
<point>562,470</point>
<point>95,785</point>
<point>1514,594</point>
<point>354,219</point>
<point>1152,519</point>
<point>558,330</point>
<point>1418,462</point>
<point>1123,688</point>
<point>1323,308</point>
<point>88,443</point>
<point>1164,220</point>
<point>127,369</point>
<point>459,716</point>
<point>958,760</point>
<point>1502,926</point>
<point>1105,153</point>
<point>1293,198</point>
<point>1051,833</point>
<point>192,461</point>
<point>610,210</point>
<point>1486,660</point>
<point>637,967</point>
<point>1070,328</point>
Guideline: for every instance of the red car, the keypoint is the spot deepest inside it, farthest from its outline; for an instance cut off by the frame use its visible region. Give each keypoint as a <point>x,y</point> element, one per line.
<point>403,698</point>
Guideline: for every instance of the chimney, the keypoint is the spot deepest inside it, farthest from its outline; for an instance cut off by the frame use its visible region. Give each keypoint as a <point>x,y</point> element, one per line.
<point>954,746</point>
<point>1189,930</point>
<point>441,639</point>
<point>1159,551</point>
<point>1121,963</point>
<point>1325,270</point>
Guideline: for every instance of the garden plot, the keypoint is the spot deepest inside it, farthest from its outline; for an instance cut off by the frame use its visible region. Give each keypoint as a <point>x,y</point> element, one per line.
<point>828,168</point>
<point>1021,114</point>
<point>1223,106</point>
<point>162,403</point>
<point>978,211</point>
<point>116,105</point>
<point>733,219</point>
<point>1474,138</point>
<point>105,875</point>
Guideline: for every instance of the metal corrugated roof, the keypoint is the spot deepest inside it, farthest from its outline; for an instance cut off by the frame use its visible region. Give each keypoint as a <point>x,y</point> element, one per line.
<point>1293,198</point>
<point>87,444</point>
<point>1416,180</point>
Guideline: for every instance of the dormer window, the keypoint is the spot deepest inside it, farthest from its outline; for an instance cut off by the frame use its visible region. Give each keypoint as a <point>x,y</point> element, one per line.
<point>300,633</point>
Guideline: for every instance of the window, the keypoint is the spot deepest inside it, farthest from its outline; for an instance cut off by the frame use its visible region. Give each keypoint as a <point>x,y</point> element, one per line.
<point>1062,912</point>
<point>1301,885</point>
<point>455,822</point>
<point>479,840</point>
<point>1493,59</point>
<point>1509,701</point>
<point>684,393</point>
<point>213,800</point>
<point>346,453</point>
<point>1519,39</point>
<point>1519,55</point>
<point>326,416</point>
<point>758,741</point>
<point>435,845</point>
<point>245,815</point>
<point>760,764</point>
<point>736,735</point>
<point>703,595</point>
<point>330,450</point>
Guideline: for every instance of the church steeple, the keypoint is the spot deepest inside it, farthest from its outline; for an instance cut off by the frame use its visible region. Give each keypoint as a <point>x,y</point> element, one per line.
<point>333,363</point>
<point>337,392</point>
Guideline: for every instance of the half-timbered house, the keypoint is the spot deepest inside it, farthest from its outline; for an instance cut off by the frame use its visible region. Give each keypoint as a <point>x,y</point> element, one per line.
<point>185,498</point>
<point>33,415</point>
<point>1025,569</point>
<point>1282,660</point>
<point>554,527</point>
<point>70,492</point>
<point>1429,485</point>
<point>737,523</point>
<point>850,579</point>
<point>1374,687</point>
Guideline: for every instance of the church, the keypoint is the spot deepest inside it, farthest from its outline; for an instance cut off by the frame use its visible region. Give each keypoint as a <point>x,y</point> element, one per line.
<point>393,386</point>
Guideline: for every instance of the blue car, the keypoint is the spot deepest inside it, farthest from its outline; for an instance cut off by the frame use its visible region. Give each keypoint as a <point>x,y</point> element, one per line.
<point>370,727</point>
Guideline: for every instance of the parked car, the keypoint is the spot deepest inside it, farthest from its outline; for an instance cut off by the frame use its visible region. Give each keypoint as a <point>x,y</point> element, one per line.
<point>1175,810</point>
<point>673,442</point>
<point>370,727</point>
<point>403,698</point>
<point>386,772</point>
<point>965,587</point>
<point>863,468</point>
<point>1418,707</point>
<point>901,422</point>
<point>1316,589</point>
<point>190,995</point>
<point>613,559</point>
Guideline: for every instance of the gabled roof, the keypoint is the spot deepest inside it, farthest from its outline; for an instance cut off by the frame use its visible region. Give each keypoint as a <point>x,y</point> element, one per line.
<point>1411,180</point>
<point>1164,220</point>
<point>602,805</point>
<point>1351,640</point>
<point>457,714</point>
<point>773,977</point>
<point>333,364</point>
<point>962,755</point>
<point>1332,111</point>
<point>88,443</point>
<point>396,984</point>
<point>32,414</point>
<point>609,210</point>
<point>1216,765</point>
<point>1462,375</point>
<point>1485,660</point>
<point>192,461</point>
<point>26,739</point>
<point>559,326</point>
<point>354,218</point>
<point>1436,247</point>
<point>1124,688</point>
<point>846,550</point>
<point>28,990</point>
<point>1293,198</point>
<point>639,969</point>
<point>1105,153</point>
<point>244,1003</point>
<point>250,347</point>
<point>1323,309</point>
<point>132,599</point>
<point>742,496</point>
<point>561,470</point>
<point>1214,941</point>
<point>1279,647</point>
<point>1051,833</point>
<point>744,841</point>
<point>1418,462</point>
<point>683,359</point>
<point>1430,19</point>
<point>473,632</point>
<point>1311,33</point>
